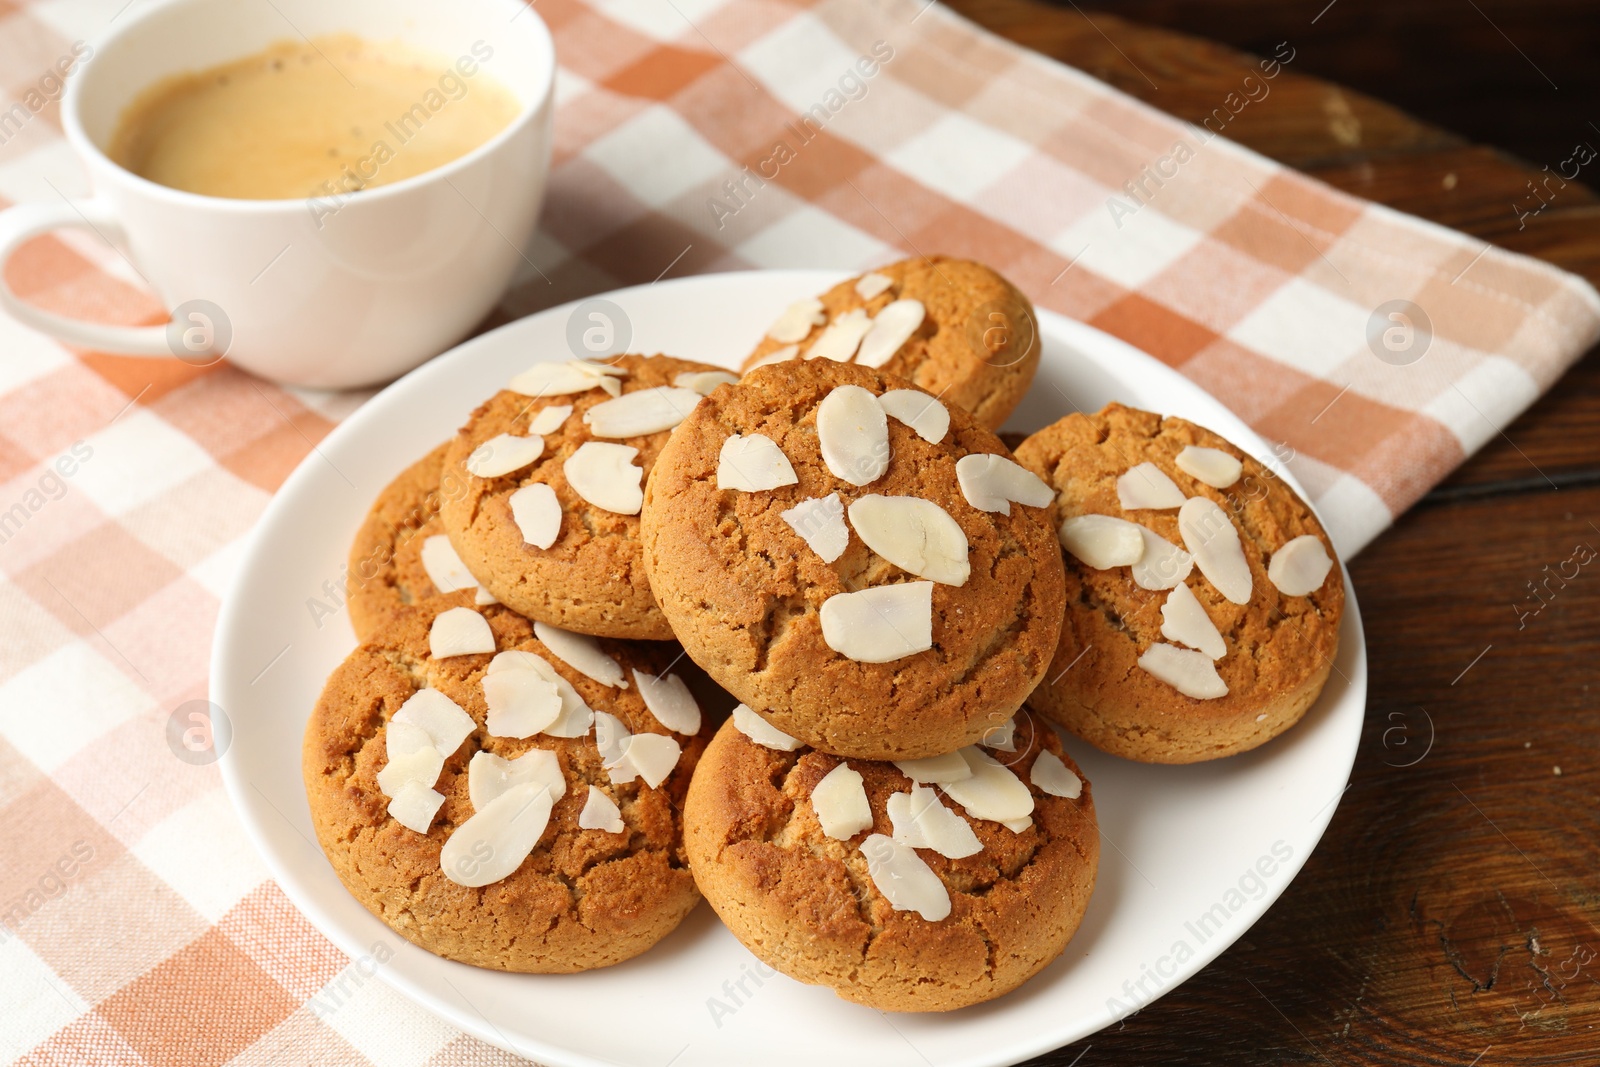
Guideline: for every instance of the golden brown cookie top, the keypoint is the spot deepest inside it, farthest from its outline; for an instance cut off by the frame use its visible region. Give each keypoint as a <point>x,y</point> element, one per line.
<point>1270,641</point>
<point>756,838</point>
<point>908,648</point>
<point>568,553</point>
<point>346,746</point>
<point>976,343</point>
<point>394,557</point>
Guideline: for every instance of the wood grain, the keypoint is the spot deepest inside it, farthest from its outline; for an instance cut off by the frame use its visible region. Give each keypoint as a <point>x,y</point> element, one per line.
<point>1451,914</point>
<point>1517,74</point>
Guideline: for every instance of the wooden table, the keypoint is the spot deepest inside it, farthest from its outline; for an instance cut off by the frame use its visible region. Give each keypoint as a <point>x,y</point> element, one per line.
<point>1451,915</point>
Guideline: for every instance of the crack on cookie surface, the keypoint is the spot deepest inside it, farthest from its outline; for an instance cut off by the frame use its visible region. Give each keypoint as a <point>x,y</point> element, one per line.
<point>376,859</point>
<point>759,853</point>
<point>730,573</point>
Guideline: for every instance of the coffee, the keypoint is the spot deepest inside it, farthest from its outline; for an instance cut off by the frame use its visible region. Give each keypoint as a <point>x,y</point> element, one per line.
<point>311,118</point>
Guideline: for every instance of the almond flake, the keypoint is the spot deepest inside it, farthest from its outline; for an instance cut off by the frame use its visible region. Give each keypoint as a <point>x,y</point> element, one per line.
<point>582,654</point>
<point>753,463</point>
<point>820,523</point>
<point>921,820</point>
<point>414,806</point>
<point>1147,486</point>
<point>923,413</point>
<point>641,412</point>
<point>1210,536</point>
<point>537,513</point>
<point>1162,564</point>
<point>488,775</point>
<point>870,285</point>
<point>420,765</point>
<point>521,700</point>
<point>502,454</point>
<point>670,701</point>
<point>1191,673</point>
<point>611,737</point>
<point>915,535</point>
<point>402,737</point>
<point>628,755</point>
<point>853,433</point>
<point>881,624</point>
<point>1184,619</point>
<point>950,767</point>
<point>838,342</point>
<point>493,843</point>
<point>1002,738</point>
<point>459,632</point>
<point>796,321</point>
<point>891,328</point>
<point>549,419</point>
<point>1016,826</point>
<point>761,731</point>
<point>704,382</point>
<point>1299,567</point>
<point>554,379</point>
<point>600,812</point>
<point>575,718</point>
<point>1054,777</point>
<point>992,483</point>
<point>602,372</point>
<point>1103,541</point>
<point>483,598</point>
<point>1210,465</point>
<point>441,718</point>
<point>606,476</point>
<point>777,355</point>
<point>993,792</point>
<point>650,757</point>
<point>840,802</point>
<point>904,879</point>
<point>444,567</point>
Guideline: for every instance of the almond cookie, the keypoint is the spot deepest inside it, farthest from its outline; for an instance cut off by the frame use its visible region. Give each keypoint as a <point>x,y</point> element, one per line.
<point>542,487</point>
<point>401,554</point>
<point>951,326</point>
<point>861,564</point>
<point>925,886</point>
<point>507,794</point>
<point>1203,598</point>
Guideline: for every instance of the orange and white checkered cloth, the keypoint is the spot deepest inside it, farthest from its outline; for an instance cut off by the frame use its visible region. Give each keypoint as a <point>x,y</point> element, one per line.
<point>136,924</point>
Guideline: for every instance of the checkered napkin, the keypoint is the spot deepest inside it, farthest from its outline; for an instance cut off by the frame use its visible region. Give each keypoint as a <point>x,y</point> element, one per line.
<point>136,925</point>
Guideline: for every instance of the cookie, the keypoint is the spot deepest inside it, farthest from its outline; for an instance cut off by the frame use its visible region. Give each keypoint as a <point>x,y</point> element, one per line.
<point>955,328</point>
<point>757,524</point>
<point>401,549</point>
<point>556,537</point>
<point>793,853</point>
<point>446,878</point>
<point>1222,632</point>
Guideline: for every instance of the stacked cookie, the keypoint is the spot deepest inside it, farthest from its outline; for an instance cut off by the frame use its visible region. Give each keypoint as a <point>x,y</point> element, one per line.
<point>872,575</point>
<point>498,771</point>
<point>504,793</point>
<point>514,770</point>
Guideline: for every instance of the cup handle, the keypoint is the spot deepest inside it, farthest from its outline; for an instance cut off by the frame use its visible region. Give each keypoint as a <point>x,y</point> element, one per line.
<point>26,221</point>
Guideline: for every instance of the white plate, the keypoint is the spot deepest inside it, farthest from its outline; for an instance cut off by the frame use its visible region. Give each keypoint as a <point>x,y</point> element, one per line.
<point>1179,876</point>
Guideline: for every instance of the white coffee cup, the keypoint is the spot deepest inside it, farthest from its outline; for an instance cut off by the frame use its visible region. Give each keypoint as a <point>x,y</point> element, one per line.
<point>335,291</point>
